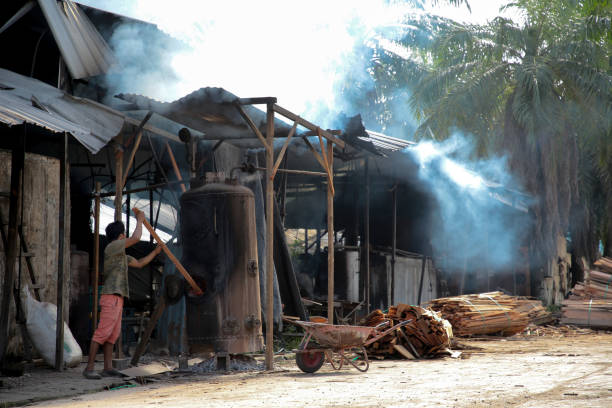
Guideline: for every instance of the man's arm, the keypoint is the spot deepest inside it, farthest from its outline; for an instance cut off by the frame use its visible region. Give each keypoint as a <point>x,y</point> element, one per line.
<point>142,262</point>
<point>135,238</point>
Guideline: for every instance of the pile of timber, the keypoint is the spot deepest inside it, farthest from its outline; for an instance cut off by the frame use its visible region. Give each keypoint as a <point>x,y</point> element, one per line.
<point>490,313</point>
<point>425,335</point>
<point>590,303</point>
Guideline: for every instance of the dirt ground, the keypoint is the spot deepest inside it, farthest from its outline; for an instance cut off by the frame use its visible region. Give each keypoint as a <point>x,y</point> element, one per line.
<point>559,369</point>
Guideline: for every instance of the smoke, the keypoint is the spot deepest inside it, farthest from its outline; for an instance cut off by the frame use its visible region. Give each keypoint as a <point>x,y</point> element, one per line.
<point>300,52</point>
<point>482,215</point>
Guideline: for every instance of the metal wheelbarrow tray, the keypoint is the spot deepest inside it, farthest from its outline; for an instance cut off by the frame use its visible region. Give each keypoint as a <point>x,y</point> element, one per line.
<point>339,343</point>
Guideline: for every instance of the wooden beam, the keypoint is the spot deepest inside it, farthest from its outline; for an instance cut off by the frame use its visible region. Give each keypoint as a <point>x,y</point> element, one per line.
<point>96,256</point>
<point>257,101</point>
<point>330,234</point>
<point>170,255</point>
<point>251,124</point>
<point>160,306</point>
<point>308,125</point>
<point>177,172</point>
<point>119,178</point>
<point>59,328</point>
<point>327,161</point>
<point>17,165</point>
<point>269,238</point>
<point>284,149</point>
<point>321,162</point>
<point>135,148</point>
<point>366,244</point>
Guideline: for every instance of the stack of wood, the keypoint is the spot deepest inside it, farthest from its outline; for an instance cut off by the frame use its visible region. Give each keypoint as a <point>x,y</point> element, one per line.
<point>426,335</point>
<point>490,313</point>
<point>590,303</point>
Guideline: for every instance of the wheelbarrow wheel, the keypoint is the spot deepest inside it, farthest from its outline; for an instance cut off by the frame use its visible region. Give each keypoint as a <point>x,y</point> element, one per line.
<point>309,361</point>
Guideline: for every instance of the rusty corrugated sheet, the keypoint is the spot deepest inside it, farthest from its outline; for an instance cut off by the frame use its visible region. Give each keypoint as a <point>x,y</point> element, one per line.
<point>24,99</point>
<point>84,50</point>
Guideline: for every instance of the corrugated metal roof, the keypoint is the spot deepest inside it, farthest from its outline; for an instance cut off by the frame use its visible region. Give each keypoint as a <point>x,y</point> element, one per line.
<point>24,99</point>
<point>386,142</point>
<point>84,50</point>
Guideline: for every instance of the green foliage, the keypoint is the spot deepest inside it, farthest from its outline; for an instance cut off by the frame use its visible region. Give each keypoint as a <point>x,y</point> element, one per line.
<point>537,90</point>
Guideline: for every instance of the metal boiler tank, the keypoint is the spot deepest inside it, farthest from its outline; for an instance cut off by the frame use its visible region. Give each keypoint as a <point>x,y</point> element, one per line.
<point>220,252</point>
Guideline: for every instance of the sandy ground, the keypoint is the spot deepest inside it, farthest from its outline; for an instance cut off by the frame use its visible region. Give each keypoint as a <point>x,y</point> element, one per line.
<point>572,370</point>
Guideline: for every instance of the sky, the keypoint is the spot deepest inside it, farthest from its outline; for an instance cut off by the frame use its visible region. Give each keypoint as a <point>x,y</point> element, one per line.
<point>297,51</point>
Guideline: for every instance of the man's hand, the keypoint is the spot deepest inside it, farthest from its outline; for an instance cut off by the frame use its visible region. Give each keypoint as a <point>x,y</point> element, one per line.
<point>140,216</point>
<point>158,249</point>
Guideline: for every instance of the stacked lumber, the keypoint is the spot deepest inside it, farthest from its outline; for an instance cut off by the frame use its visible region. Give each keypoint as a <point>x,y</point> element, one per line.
<point>427,334</point>
<point>590,303</point>
<point>489,313</point>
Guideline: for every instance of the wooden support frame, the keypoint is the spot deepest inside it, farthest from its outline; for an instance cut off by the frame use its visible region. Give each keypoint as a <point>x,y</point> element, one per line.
<point>281,155</point>
<point>272,167</point>
<point>59,330</point>
<point>177,172</point>
<point>119,178</point>
<point>15,196</point>
<point>135,148</point>
<point>96,256</point>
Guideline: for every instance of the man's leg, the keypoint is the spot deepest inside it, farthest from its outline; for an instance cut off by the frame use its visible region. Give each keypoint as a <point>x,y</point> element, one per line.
<point>93,350</point>
<point>108,356</point>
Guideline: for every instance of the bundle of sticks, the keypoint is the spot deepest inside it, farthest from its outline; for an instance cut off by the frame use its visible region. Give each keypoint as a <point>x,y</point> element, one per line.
<point>489,313</point>
<point>426,334</point>
<point>590,303</point>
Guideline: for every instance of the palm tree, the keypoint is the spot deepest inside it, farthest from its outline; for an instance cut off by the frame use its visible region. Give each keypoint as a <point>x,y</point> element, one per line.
<point>538,91</point>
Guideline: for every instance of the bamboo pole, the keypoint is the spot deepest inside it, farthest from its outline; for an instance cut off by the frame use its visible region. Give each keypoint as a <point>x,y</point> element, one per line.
<point>330,233</point>
<point>170,255</point>
<point>269,237</point>
<point>96,255</point>
<point>367,234</point>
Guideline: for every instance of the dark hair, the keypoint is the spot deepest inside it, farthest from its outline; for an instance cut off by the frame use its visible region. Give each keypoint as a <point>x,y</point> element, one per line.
<point>114,229</point>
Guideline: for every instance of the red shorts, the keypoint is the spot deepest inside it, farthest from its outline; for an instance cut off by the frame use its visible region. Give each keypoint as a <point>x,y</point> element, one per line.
<point>109,328</point>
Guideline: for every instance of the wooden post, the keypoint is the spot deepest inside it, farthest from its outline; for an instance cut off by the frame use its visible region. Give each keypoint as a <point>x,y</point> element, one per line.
<point>366,243</point>
<point>119,212</point>
<point>159,309</point>
<point>269,237</point>
<point>393,242</point>
<point>330,235</point>
<point>423,263</point>
<point>96,255</point>
<point>15,195</point>
<point>127,213</point>
<point>59,330</point>
<point>119,179</point>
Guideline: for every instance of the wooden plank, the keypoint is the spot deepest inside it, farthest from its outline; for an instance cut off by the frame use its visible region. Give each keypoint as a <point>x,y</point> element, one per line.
<point>402,350</point>
<point>170,255</point>
<point>16,191</point>
<point>308,125</point>
<point>160,306</point>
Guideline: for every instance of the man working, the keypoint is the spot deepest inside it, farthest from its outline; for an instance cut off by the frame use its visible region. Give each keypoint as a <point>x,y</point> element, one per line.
<point>113,292</point>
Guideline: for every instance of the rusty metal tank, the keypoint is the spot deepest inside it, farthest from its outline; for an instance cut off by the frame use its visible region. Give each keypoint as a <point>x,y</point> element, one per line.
<point>220,252</point>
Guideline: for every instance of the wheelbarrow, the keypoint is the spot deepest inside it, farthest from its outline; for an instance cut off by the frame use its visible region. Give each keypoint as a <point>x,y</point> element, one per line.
<point>340,344</point>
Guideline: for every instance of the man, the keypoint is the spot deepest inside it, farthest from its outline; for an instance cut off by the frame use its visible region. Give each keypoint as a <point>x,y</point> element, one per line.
<point>114,291</point>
